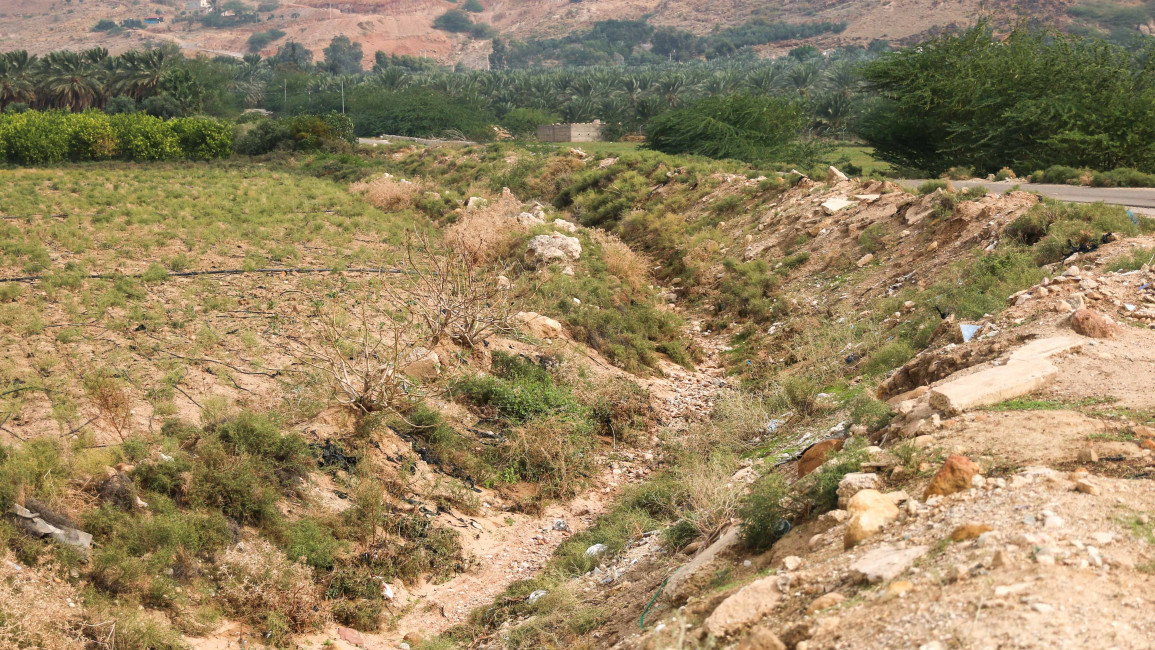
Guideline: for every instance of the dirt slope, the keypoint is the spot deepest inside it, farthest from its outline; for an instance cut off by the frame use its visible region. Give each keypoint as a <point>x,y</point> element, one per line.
<point>405,27</point>
<point>1048,545</point>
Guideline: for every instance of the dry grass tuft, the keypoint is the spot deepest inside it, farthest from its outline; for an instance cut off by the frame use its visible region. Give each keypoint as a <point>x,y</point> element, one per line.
<point>35,611</point>
<point>264,587</point>
<point>389,192</point>
<point>711,496</point>
<point>633,269</point>
<point>487,232</point>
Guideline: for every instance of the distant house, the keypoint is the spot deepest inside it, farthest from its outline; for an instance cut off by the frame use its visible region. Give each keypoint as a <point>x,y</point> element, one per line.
<point>578,132</point>
<point>198,6</point>
<point>154,20</point>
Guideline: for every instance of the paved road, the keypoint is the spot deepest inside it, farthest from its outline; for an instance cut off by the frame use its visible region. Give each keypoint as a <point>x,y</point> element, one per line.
<point>1142,199</point>
<point>389,139</point>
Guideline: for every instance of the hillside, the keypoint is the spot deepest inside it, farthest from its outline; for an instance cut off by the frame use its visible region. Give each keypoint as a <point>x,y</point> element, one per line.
<point>493,397</point>
<point>405,27</point>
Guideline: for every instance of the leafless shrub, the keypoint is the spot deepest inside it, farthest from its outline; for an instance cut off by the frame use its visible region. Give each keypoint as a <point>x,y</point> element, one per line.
<point>488,232</point>
<point>111,399</point>
<point>712,498</point>
<point>453,294</point>
<point>361,353</point>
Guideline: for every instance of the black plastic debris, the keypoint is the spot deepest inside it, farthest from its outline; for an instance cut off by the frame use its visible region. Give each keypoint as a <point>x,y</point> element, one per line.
<point>333,456</point>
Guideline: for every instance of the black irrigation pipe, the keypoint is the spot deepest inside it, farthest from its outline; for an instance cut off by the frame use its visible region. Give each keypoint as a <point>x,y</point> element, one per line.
<point>187,274</point>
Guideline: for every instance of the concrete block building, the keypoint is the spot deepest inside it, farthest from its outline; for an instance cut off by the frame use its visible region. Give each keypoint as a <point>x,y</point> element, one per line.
<point>584,132</point>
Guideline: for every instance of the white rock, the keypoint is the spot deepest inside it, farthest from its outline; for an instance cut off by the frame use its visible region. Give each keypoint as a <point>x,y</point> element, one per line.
<point>596,550</point>
<point>853,483</point>
<point>545,249</point>
<point>885,563</point>
<point>830,206</point>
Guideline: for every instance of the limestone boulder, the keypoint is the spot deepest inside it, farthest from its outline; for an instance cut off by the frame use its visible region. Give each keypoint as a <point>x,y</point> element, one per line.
<point>539,326</point>
<point>870,511</point>
<point>547,249</point>
<point>747,606</point>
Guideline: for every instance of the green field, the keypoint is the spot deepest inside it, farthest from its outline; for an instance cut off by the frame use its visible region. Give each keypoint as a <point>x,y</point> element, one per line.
<point>861,156</point>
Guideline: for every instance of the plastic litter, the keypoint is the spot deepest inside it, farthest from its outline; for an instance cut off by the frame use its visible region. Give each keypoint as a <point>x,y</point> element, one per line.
<point>969,331</point>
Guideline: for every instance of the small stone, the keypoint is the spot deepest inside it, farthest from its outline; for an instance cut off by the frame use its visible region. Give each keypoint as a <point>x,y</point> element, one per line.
<point>954,476</point>
<point>1053,522</point>
<point>825,602</point>
<point>1042,608</point>
<point>870,511</point>
<point>853,483</point>
<point>1093,324</point>
<point>897,589</point>
<point>596,550</point>
<point>1087,487</point>
<point>761,638</point>
<point>817,454</point>
<point>1001,559</point>
<point>751,603</point>
<point>969,531</point>
<point>1088,455</point>
<point>791,562</point>
<point>864,260</point>
<point>351,636</point>
<point>885,563</point>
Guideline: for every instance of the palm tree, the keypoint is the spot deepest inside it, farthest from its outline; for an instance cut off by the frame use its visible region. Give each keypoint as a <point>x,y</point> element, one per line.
<point>802,76</point>
<point>70,80</point>
<point>137,73</point>
<point>16,85</point>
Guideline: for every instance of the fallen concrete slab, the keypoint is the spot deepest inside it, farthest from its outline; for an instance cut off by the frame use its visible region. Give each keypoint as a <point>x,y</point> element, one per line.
<point>1027,370</point>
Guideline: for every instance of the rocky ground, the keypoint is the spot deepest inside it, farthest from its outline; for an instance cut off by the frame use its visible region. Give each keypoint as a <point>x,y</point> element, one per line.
<point>1007,505</point>
<point>1034,532</point>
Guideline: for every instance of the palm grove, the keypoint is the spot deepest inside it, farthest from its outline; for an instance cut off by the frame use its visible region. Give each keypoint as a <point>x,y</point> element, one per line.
<point>977,98</point>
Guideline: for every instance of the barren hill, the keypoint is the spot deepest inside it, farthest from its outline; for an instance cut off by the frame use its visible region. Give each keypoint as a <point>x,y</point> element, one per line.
<point>406,26</point>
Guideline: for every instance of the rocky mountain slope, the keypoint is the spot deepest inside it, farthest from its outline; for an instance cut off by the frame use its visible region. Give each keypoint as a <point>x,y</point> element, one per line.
<point>405,27</point>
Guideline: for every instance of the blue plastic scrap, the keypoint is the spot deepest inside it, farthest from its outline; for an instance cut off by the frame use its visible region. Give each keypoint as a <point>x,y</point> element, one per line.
<point>969,331</point>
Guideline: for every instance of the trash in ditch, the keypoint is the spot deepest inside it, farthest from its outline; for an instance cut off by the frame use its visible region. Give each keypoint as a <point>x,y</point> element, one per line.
<point>969,331</point>
<point>333,456</point>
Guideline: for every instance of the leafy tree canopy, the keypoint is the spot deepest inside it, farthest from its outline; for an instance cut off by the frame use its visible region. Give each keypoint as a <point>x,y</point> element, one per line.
<point>1033,99</point>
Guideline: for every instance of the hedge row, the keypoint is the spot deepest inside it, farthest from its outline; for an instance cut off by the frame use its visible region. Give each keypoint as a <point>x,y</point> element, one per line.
<point>37,138</point>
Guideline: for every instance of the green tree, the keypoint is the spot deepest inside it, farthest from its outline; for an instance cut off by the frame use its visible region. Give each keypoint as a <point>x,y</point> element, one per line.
<point>71,80</point>
<point>1031,100</point>
<point>743,127</point>
<point>453,20</point>
<point>343,56</point>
